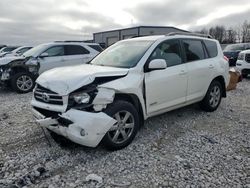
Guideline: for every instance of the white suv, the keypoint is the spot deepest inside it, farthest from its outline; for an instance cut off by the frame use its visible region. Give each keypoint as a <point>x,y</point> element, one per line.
<point>243,63</point>
<point>17,52</point>
<point>132,80</point>
<point>20,72</point>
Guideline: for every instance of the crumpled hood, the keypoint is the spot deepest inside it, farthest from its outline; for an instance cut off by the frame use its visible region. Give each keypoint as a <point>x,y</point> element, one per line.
<point>64,80</point>
<point>6,60</point>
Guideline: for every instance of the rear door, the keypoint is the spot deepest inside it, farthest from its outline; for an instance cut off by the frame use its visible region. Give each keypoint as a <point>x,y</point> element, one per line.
<point>166,88</point>
<point>200,68</point>
<point>76,54</point>
<point>53,60</point>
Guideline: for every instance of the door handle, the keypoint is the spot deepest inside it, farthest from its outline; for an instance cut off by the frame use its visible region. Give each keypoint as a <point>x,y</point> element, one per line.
<point>211,66</point>
<point>182,72</point>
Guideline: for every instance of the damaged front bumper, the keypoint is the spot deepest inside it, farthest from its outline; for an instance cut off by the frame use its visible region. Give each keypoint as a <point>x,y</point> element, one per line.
<point>81,127</point>
<point>4,74</point>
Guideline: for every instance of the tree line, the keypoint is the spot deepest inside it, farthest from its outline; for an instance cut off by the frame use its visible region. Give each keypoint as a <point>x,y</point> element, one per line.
<point>224,35</point>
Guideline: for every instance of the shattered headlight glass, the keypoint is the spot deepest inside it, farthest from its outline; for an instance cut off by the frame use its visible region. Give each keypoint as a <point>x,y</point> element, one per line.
<point>81,98</point>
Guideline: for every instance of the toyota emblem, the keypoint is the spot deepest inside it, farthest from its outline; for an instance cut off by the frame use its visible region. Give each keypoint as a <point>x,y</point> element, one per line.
<point>45,97</point>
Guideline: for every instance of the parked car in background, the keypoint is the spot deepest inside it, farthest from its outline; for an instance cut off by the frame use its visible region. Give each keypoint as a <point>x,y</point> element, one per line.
<point>2,46</point>
<point>108,99</point>
<point>243,63</point>
<point>20,72</point>
<point>232,51</point>
<point>17,52</point>
<point>7,49</point>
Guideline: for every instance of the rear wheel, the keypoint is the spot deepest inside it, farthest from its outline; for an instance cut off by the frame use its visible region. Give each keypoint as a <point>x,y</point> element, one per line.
<point>124,130</point>
<point>23,82</point>
<point>213,97</point>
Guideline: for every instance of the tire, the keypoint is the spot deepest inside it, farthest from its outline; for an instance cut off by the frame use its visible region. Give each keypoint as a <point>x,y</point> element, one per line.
<point>120,136</point>
<point>23,82</point>
<point>213,97</point>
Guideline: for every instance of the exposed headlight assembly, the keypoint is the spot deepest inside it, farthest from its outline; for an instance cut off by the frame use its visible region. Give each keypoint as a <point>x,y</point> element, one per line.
<point>81,98</point>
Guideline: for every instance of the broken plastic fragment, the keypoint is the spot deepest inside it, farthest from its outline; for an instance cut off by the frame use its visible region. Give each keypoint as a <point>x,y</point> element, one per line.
<point>94,177</point>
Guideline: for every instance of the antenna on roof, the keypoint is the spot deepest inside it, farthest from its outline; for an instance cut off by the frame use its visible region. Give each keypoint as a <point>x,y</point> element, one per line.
<point>189,34</point>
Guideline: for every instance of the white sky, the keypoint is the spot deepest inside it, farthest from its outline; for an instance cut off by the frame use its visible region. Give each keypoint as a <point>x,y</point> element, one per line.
<point>36,21</point>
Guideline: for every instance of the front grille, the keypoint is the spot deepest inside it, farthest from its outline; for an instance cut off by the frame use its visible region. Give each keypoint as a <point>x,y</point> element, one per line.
<point>47,96</point>
<point>48,113</point>
<point>247,58</point>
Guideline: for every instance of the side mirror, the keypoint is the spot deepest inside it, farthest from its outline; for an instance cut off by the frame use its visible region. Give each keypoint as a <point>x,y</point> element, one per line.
<point>43,55</point>
<point>157,64</point>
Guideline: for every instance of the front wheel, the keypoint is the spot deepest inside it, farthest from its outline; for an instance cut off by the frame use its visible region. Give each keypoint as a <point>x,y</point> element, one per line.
<point>213,97</point>
<point>124,130</point>
<point>23,82</point>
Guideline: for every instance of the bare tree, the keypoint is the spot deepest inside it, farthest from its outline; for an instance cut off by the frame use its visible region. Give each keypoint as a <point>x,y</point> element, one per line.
<point>239,33</point>
<point>245,31</point>
<point>238,30</point>
<point>218,32</point>
<point>231,36</point>
<point>204,31</point>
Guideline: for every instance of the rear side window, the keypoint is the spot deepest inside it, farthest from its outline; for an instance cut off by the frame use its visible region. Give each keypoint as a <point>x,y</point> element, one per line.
<point>21,51</point>
<point>194,50</point>
<point>75,50</point>
<point>96,47</point>
<point>211,47</point>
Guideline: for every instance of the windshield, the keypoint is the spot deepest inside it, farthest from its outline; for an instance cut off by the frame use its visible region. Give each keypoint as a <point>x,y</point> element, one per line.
<point>235,47</point>
<point>125,54</point>
<point>34,52</point>
<point>8,49</point>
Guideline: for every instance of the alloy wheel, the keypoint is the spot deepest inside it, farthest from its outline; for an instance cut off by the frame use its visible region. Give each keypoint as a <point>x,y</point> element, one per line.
<point>24,83</point>
<point>215,95</point>
<point>123,128</point>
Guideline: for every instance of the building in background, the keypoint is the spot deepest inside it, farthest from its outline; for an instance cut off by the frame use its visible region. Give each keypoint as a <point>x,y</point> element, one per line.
<point>107,38</point>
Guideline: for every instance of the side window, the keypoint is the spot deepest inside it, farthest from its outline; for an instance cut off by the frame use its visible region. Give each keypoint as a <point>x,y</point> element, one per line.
<point>55,51</point>
<point>75,50</point>
<point>21,51</point>
<point>211,47</point>
<point>170,51</point>
<point>96,47</point>
<point>194,50</point>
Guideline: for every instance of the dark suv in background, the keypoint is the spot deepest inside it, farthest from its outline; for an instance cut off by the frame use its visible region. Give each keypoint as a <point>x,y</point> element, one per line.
<point>232,51</point>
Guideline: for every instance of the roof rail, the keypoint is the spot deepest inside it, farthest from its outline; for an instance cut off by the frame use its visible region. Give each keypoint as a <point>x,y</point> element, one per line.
<point>189,34</point>
<point>70,41</point>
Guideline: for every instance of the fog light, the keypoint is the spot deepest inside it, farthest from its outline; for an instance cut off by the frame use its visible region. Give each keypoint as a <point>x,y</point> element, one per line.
<point>82,132</point>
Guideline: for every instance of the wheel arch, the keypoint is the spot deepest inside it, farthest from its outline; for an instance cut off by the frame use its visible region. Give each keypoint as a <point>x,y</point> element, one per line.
<point>134,100</point>
<point>223,84</point>
<point>18,69</point>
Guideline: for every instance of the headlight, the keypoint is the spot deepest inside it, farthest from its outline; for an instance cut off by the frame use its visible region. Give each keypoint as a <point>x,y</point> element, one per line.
<point>241,56</point>
<point>81,98</point>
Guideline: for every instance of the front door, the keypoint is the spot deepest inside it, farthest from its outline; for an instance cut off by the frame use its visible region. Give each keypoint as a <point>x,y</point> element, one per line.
<point>166,88</point>
<point>53,60</point>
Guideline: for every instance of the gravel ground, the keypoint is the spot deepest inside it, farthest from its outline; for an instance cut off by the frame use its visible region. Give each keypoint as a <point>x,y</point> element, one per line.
<point>182,148</point>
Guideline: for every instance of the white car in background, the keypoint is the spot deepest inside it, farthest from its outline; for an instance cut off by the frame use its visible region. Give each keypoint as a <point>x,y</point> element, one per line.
<point>109,98</point>
<point>7,49</point>
<point>20,72</point>
<point>17,52</point>
<point>243,63</point>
